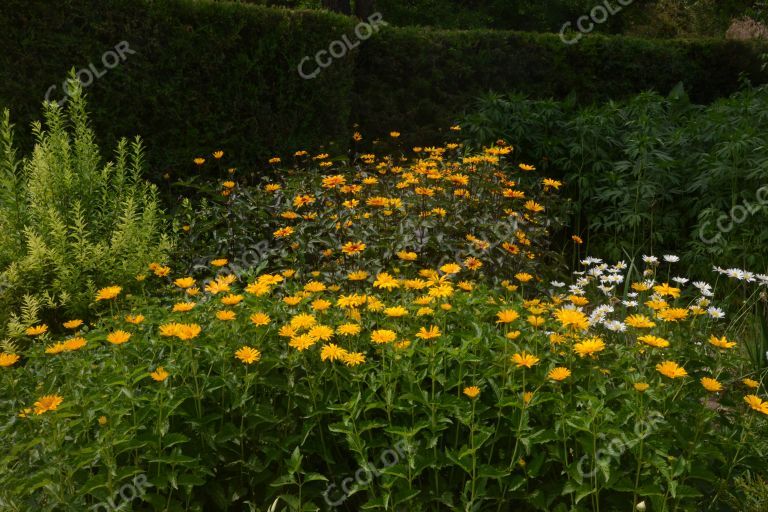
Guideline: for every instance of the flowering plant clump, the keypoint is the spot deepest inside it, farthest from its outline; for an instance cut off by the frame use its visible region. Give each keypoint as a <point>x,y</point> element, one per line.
<point>436,205</point>
<point>390,379</point>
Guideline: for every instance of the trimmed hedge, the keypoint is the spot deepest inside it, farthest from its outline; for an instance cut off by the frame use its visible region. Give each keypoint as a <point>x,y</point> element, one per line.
<point>205,75</point>
<point>421,80</point>
<point>218,75</point>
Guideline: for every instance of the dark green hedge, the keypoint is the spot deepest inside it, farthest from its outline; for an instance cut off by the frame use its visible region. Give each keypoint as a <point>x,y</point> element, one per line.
<point>209,75</point>
<point>421,80</point>
<point>205,75</point>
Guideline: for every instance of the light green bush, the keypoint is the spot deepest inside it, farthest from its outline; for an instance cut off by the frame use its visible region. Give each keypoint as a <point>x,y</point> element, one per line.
<point>68,223</point>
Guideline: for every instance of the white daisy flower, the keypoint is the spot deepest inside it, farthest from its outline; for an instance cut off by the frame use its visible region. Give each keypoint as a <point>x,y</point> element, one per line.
<point>715,312</point>
<point>615,325</point>
<point>605,289</point>
<point>671,258</point>
<point>614,278</point>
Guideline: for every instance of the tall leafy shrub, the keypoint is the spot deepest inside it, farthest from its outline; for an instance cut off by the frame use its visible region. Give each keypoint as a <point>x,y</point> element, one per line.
<point>68,222</point>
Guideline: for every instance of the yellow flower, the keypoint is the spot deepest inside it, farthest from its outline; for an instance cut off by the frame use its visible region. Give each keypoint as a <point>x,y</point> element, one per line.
<point>225,315</point>
<point>348,329</point>
<point>332,352</point>
<point>159,374</point>
<point>571,318</point>
<point>302,342</point>
<point>560,373</point>
<point>260,319</point>
<point>358,275</point>
<point>102,420</point>
<point>354,358</point>
<point>386,281</point>
<point>751,383</point>
<point>523,277</point>
<point>321,332</point>
<point>756,403</point>
<point>527,397</point>
<point>118,337</point>
<point>248,355</point>
<point>75,343</point>
<point>535,321</point>
<point>721,342</point>
<point>672,314</point>
<point>321,304</point>
<point>396,311</point>
<point>507,316</point>
<point>333,181</point>
<point>161,271</point>
<point>110,292</point>
<point>283,232</point>
<point>657,305</point>
<point>450,268</point>
<point>292,300</point>
<point>526,167</point>
<point>665,289</point>
<point>524,359</point>
<point>36,330</point>
<point>218,154</point>
<point>314,287</point>
<point>589,347</point>
<point>73,324</point>
<point>56,348</point>
<point>232,299</point>
<point>428,334</point>
<point>576,300</point>
<point>199,161</point>
<point>47,403</point>
<point>382,336</point>
<point>472,391</point>
<point>184,282</point>
<point>639,321</point>
<point>556,338</point>
<point>671,369</point>
<point>303,321</point>
<point>183,307</point>
<point>533,206</point>
<point>407,256</point>
<point>641,386</point>
<point>8,359</point>
<point>181,331</point>
<point>353,248</point>
<point>711,384</point>
<point>134,319</point>
<point>654,341</point>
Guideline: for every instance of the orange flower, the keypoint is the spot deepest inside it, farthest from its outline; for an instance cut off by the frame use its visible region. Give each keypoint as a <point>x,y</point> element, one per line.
<point>524,359</point>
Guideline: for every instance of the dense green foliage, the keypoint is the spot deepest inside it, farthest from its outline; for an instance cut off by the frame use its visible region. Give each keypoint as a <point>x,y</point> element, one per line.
<point>421,91</point>
<point>651,174</point>
<point>204,75</point>
<point>217,75</point>
<point>68,223</point>
<point>655,18</point>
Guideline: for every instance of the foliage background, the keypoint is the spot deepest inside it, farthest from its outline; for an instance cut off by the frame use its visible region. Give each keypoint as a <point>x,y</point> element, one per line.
<point>219,75</point>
